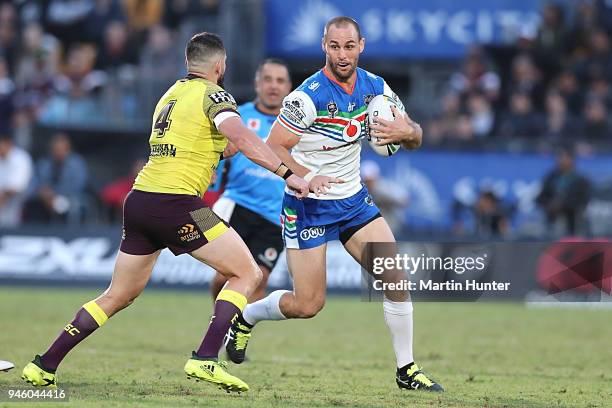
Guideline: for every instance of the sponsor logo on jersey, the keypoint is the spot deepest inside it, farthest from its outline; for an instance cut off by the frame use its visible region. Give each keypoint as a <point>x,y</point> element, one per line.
<point>351,106</point>
<point>313,86</point>
<point>313,232</point>
<point>352,131</point>
<point>332,109</point>
<point>367,98</point>
<point>163,150</point>
<point>222,97</point>
<point>254,124</point>
<point>188,233</point>
<point>293,110</point>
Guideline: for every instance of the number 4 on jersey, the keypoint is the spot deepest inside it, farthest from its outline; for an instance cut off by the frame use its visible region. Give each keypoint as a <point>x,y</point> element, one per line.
<point>163,122</point>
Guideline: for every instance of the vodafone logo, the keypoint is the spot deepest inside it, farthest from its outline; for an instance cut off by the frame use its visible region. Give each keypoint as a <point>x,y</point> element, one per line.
<point>352,131</point>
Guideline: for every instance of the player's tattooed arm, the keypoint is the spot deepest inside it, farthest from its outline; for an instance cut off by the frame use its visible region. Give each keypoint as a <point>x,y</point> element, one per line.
<point>401,130</point>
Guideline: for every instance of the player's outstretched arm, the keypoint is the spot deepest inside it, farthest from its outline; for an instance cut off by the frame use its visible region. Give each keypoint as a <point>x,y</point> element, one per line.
<point>281,141</point>
<point>249,144</point>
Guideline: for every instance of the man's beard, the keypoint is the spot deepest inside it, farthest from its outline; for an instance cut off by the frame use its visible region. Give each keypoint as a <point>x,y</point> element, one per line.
<point>220,81</point>
<point>341,76</point>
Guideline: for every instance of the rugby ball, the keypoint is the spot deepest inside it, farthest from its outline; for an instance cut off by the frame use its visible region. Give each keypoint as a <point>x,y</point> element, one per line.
<point>380,107</point>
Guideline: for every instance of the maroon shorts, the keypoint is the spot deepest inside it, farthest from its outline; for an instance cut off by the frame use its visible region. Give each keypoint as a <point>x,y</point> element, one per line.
<point>153,221</point>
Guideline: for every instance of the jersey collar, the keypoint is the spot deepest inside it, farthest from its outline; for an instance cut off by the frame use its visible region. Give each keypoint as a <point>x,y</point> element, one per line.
<point>341,85</point>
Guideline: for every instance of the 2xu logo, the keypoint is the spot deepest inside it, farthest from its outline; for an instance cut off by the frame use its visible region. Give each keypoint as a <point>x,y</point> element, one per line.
<point>313,232</point>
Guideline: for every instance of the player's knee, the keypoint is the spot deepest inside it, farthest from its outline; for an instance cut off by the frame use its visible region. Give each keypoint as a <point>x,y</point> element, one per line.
<point>256,275</point>
<point>119,301</point>
<point>310,308</point>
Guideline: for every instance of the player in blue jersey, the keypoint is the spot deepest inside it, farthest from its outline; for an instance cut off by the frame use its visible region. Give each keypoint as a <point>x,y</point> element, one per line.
<point>252,200</point>
<point>318,134</point>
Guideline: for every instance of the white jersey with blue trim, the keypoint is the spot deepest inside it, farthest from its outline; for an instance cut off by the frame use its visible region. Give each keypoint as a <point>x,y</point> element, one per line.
<point>331,125</point>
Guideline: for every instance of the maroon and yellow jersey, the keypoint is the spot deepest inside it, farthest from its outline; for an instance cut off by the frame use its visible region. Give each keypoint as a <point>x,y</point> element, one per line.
<point>185,144</point>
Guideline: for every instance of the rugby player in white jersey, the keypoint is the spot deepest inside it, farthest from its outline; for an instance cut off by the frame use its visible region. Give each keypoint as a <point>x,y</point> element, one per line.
<point>318,135</point>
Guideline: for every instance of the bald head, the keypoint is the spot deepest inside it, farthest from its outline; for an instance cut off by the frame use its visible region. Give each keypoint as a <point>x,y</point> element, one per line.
<point>342,22</point>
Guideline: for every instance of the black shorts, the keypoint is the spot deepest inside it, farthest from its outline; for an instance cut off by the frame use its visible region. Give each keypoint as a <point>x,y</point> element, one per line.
<point>263,237</point>
<point>181,223</point>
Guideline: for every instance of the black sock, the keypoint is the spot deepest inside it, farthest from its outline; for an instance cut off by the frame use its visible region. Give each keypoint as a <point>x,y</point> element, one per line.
<point>404,370</point>
<point>244,322</point>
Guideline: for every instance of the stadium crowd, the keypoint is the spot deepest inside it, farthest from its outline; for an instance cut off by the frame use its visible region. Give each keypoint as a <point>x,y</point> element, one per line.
<point>64,60</point>
<point>552,87</point>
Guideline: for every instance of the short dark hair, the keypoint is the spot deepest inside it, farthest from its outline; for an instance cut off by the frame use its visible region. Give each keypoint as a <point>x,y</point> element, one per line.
<point>342,21</point>
<point>202,45</point>
<point>276,61</point>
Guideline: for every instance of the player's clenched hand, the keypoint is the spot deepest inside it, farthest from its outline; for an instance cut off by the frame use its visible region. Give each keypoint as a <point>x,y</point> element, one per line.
<point>298,185</point>
<point>320,184</point>
<point>400,130</point>
<point>230,150</point>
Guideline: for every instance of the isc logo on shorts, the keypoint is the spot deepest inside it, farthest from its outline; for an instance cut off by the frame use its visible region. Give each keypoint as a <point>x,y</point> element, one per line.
<point>188,233</point>
<point>313,232</point>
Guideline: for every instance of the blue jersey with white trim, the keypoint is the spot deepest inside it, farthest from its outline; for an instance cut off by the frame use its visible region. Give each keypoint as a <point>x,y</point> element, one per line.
<point>249,184</point>
<point>331,123</point>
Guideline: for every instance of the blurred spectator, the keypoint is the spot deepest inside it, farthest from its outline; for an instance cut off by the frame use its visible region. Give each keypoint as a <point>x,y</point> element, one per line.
<point>464,130</point>
<point>142,15</point>
<point>67,20</point>
<point>189,16</point>
<point>389,196</point>
<point>481,115</point>
<point>490,216</point>
<point>526,78</point>
<point>104,12</point>
<point>75,98</point>
<point>560,123</point>
<point>487,214</point>
<point>159,61</point>
<point>159,58</point>
<point>8,35</point>
<point>7,90</point>
<point>40,56</point>
<point>596,124</point>
<point>567,84</point>
<point>116,48</point>
<point>179,12</point>
<point>59,185</point>
<point>37,67</point>
<point>599,88</point>
<point>113,195</point>
<point>15,175</point>
<point>584,21</point>
<point>474,77</point>
<point>564,196</point>
<point>552,39</point>
<point>522,120</point>
<point>445,123</point>
<point>599,60</point>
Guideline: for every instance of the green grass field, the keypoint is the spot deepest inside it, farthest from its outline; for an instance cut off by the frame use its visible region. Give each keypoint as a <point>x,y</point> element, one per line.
<point>485,355</point>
